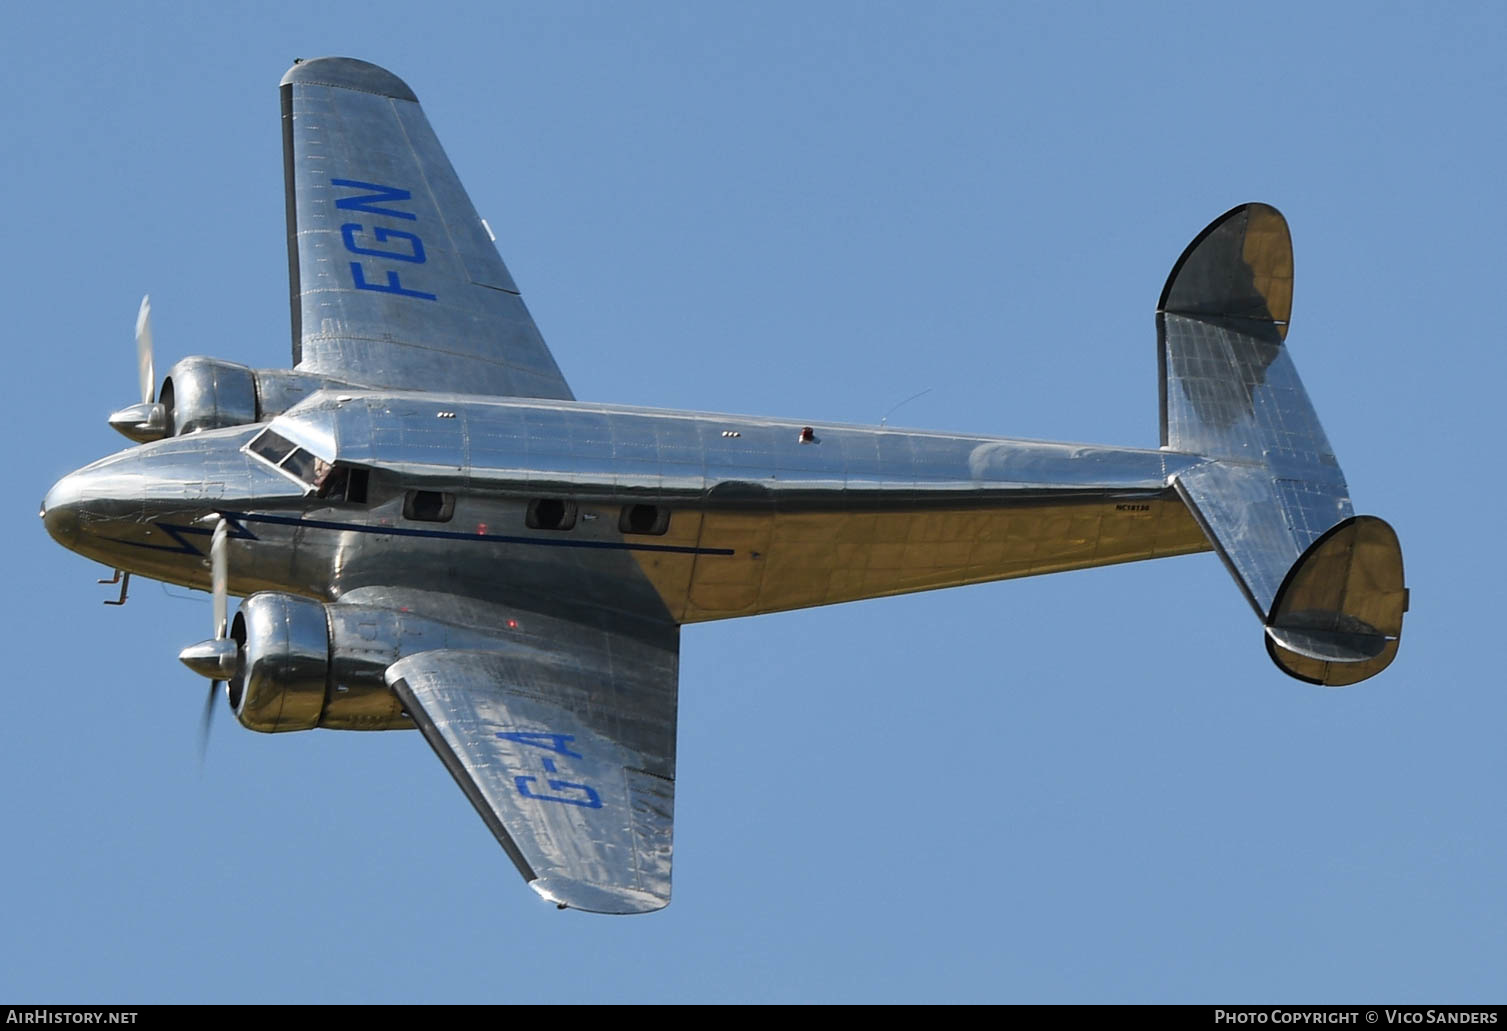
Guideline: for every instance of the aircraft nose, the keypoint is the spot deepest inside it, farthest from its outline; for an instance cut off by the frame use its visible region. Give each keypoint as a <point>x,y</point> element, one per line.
<point>60,509</point>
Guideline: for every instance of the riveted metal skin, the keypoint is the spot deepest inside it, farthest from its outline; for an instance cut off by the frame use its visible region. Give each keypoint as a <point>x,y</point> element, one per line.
<point>394,279</point>
<point>303,664</point>
<point>757,523</point>
<point>202,393</point>
<point>277,390</point>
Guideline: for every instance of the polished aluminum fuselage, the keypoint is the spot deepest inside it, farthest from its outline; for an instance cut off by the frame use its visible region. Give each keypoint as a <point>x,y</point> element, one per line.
<point>762,516</point>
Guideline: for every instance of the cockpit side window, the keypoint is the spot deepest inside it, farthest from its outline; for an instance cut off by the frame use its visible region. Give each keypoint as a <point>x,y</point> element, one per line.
<point>287,457</point>
<point>273,447</point>
<point>301,464</point>
<point>347,484</point>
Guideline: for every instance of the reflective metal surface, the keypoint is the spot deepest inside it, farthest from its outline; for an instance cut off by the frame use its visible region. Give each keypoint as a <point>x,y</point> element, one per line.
<point>567,750</point>
<point>458,545</point>
<point>757,522</point>
<point>209,394</point>
<point>141,422</point>
<point>284,663</point>
<point>1273,486</point>
<point>1337,618</point>
<point>395,280</point>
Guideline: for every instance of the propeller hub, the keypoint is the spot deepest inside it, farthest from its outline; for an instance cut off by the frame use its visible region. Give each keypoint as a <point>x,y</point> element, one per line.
<point>215,659</point>
<point>142,423</point>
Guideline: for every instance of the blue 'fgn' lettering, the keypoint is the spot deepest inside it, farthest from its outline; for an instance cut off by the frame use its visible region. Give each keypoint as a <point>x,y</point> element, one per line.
<point>375,202</point>
<point>415,252</point>
<point>583,795</point>
<point>379,193</point>
<point>392,286</point>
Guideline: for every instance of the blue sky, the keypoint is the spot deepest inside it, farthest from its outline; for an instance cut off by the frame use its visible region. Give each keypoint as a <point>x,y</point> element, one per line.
<point>1091,787</point>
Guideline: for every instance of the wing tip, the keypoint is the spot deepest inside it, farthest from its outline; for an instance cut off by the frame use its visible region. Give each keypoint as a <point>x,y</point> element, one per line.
<point>615,900</point>
<point>348,73</point>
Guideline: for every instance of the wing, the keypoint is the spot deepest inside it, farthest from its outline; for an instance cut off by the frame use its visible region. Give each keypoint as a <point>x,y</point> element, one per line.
<point>567,752</point>
<point>394,278</point>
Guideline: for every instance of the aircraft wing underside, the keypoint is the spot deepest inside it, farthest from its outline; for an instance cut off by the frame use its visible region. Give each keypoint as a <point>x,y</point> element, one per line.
<point>395,280</point>
<point>563,738</point>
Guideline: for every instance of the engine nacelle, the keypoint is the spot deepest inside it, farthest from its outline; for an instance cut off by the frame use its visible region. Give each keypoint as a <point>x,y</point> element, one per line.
<point>202,393</point>
<point>210,393</point>
<point>303,665</point>
<point>207,394</point>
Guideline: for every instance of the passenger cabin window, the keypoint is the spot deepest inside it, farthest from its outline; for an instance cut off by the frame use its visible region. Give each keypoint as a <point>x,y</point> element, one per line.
<point>428,506</point>
<point>550,514</point>
<point>646,519</point>
<point>345,484</point>
<point>287,457</point>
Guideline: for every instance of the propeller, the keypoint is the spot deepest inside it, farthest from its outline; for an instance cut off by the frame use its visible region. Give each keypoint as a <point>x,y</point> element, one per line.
<point>144,370</point>
<point>146,421</point>
<point>206,720</point>
<point>215,658</point>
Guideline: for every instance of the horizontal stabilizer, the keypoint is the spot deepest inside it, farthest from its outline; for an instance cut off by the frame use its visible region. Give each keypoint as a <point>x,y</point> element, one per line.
<point>1259,522</point>
<point>1271,496</point>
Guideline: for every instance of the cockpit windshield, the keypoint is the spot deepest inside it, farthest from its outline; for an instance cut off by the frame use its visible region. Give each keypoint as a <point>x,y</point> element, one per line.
<point>287,457</point>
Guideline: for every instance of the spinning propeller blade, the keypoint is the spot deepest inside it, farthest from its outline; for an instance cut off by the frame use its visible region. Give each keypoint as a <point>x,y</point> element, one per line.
<point>215,658</point>
<point>148,420</point>
<point>144,366</point>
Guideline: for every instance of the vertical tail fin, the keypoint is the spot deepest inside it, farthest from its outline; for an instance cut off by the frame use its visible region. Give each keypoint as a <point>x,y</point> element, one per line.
<point>1271,497</point>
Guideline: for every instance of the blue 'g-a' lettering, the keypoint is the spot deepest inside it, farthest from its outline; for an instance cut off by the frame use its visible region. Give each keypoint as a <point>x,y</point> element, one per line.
<point>364,202</point>
<point>583,795</point>
<point>549,742</point>
<point>414,253</point>
<point>589,799</point>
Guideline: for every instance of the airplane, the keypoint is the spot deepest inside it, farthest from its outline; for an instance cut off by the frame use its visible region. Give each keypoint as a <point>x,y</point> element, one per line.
<point>430,531</point>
